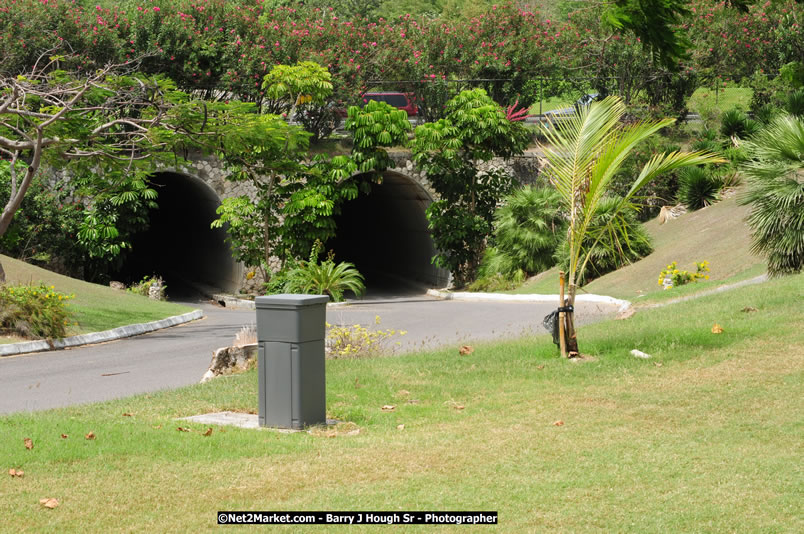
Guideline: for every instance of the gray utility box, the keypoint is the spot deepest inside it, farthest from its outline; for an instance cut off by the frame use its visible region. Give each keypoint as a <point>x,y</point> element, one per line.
<point>292,382</point>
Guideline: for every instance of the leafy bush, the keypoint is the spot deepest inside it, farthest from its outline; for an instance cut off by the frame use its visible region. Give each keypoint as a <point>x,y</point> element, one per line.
<point>615,239</point>
<point>735,154</point>
<point>357,341</point>
<point>491,281</point>
<point>672,276</point>
<point>144,287</point>
<point>735,123</point>
<point>766,113</point>
<point>776,195</point>
<point>698,188</point>
<point>33,311</point>
<point>44,229</point>
<point>795,103</point>
<point>527,230</point>
<point>318,119</point>
<point>325,278</point>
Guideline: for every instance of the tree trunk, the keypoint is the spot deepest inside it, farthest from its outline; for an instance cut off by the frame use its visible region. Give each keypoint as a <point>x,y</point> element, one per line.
<point>2,274</point>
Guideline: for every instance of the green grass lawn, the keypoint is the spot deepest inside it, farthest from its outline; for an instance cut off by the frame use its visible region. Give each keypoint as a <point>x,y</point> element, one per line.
<point>723,99</point>
<point>96,307</point>
<point>549,104</point>
<point>705,436</point>
<point>717,234</point>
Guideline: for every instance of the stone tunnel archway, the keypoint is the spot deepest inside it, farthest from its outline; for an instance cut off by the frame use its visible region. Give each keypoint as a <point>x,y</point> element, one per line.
<point>179,244</point>
<point>385,234</point>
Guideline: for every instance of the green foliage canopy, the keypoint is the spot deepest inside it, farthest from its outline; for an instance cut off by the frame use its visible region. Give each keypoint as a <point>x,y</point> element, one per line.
<point>451,151</point>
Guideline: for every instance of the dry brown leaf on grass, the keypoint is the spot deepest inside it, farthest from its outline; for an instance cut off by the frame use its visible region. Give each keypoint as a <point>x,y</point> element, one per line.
<point>400,427</point>
<point>126,414</point>
<point>182,429</point>
<point>388,408</point>
<point>28,443</point>
<point>208,432</point>
<point>717,329</point>
<point>558,423</point>
<point>16,473</point>
<point>540,367</point>
<point>90,436</point>
<point>49,502</point>
<point>64,436</point>
<point>749,309</point>
<point>465,350</point>
<point>455,405</point>
<point>657,364</point>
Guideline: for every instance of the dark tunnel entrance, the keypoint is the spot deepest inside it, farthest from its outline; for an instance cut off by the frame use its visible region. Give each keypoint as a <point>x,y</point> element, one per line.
<point>385,235</point>
<point>179,244</point>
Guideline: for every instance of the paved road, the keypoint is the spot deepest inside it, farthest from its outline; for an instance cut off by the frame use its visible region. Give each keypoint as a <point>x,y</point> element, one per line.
<point>179,356</point>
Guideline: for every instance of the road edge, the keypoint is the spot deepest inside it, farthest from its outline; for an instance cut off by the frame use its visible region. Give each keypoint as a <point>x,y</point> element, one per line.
<point>623,305</point>
<point>26,347</point>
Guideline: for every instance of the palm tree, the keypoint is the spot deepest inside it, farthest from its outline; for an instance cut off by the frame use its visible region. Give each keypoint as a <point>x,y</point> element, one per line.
<point>776,194</point>
<point>584,154</point>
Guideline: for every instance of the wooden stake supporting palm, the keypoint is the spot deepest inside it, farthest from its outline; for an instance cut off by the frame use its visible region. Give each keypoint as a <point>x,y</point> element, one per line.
<point>561,317</point>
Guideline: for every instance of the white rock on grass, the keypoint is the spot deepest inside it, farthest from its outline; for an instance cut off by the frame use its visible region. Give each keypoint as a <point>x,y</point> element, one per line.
<point>639,354</point>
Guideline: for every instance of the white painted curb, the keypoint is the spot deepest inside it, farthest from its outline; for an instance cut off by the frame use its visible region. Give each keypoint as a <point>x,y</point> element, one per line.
<point>98,337</point>
<point>622,305</point>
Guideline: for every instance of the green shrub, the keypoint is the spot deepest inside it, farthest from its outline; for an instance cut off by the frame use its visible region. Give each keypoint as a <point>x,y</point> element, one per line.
<point>795,103</point>
<point>766,113</point>
<point>706,145</point>
<point>672,276</point>
<point>33,311</point>
<point>735,154</point>
<point>735,123</point>
<point>527,229</point>
<point>357,341</point>
<point>698,188</point>
<point>776,195</point>
<point>325,278</point>
<point>615,239</point>
<point>144,287</point>
<point>496,282</point>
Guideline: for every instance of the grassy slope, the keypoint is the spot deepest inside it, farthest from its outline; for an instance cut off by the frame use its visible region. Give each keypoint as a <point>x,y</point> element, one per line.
<point>717,234</point>
<point>96,307</point>
<point>707,441</point>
